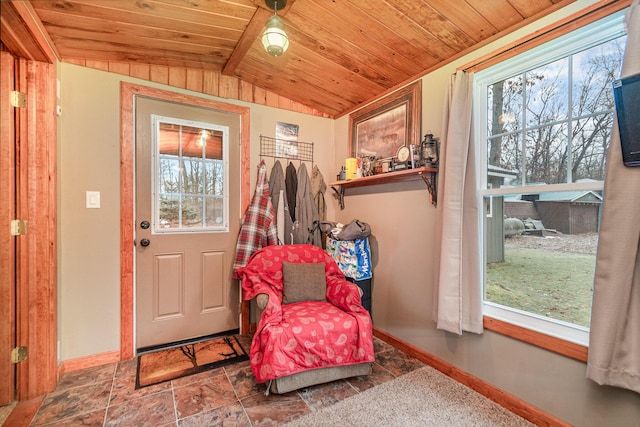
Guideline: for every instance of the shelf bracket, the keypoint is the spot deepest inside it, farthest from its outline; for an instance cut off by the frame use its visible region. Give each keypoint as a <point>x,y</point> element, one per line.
<point>432,186</point>
<point>339,195</point>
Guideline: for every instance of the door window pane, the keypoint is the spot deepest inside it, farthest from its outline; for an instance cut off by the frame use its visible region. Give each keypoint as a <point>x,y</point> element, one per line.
<point>192,212</point>
<point>191,176</point>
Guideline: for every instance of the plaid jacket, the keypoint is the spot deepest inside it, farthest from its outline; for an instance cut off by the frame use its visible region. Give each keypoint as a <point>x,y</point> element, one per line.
<point>258,227</point>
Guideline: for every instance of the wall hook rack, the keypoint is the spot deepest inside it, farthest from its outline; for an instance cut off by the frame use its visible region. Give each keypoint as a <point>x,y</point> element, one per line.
<point>284,149</point>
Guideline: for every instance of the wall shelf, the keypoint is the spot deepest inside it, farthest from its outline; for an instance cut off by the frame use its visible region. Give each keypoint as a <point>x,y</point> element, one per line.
<point>427,174</point>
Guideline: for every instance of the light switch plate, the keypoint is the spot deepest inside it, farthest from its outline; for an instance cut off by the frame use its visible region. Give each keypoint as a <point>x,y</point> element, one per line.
<point>93,199</point>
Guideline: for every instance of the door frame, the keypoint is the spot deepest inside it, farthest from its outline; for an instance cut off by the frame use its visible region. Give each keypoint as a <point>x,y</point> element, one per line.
<point>128,92</point>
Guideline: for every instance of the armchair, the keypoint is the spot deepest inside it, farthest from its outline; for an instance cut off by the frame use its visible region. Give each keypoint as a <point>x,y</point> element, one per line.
<point>313,328</point>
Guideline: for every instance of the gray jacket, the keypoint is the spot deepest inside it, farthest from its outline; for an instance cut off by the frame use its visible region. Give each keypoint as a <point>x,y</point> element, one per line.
<point>318,188</point>
<point>276,185</point>
<point>306,228</point>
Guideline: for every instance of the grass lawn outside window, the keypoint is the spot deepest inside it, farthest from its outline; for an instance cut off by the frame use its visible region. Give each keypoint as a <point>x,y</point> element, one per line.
<point>550,276</point>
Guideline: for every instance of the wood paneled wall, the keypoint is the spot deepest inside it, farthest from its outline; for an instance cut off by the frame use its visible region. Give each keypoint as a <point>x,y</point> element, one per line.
<point>203,81</point>
<point>7,241</point>
<point>36,251</point>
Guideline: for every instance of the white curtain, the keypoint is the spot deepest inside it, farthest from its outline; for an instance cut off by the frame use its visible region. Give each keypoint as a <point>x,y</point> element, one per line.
<point>614,341</point>
<point>458,285</point>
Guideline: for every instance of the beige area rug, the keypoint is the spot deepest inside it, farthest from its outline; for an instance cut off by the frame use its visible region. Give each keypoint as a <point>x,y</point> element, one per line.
<point>424,397</point>
<point>188,359</point>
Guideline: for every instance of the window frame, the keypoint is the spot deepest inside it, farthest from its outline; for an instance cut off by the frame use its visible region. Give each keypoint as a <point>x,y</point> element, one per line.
<point>156,121</point>
<point>592,34</point>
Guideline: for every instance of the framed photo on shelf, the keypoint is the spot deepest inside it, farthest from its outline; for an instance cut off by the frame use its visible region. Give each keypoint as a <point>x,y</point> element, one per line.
<point>382,127</point>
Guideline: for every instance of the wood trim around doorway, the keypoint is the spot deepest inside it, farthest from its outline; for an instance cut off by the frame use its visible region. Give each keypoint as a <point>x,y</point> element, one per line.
<point>128,91</point>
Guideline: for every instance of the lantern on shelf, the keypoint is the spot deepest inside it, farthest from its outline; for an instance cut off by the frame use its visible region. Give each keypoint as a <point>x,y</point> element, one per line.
<point>429,151</point>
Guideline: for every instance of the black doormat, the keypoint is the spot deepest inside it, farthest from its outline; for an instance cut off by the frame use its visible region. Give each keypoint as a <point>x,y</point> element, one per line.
<point>188,359</point>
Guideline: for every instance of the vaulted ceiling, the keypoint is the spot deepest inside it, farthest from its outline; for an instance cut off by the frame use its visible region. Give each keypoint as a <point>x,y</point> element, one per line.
<point>342,53</point>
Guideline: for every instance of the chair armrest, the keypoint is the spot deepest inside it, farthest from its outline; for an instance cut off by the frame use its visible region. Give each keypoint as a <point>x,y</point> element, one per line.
<point>360,291</point>
<point>262,300</point>
<point>344,294</point>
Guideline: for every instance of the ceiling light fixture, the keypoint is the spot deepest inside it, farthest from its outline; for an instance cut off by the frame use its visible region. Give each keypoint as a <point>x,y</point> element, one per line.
<point>274,39</point>
<point>202,142</point>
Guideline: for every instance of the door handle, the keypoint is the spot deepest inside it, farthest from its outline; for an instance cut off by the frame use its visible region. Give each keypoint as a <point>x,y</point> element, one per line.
<point>144,225</point>
<point>145,242</point>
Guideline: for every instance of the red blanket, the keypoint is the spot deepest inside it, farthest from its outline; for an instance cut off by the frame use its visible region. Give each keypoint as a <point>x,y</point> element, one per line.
<point>296,337</point>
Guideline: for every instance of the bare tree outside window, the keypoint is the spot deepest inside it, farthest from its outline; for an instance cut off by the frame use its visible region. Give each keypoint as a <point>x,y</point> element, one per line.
<point>552,124</point>
<point>546,125</point>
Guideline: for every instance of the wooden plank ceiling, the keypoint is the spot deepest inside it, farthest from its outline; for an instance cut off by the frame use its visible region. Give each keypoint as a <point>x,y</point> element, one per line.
<point>342,53</point>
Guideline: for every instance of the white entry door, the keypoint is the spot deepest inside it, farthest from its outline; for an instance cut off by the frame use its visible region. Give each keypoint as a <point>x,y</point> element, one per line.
<point>187,184</point>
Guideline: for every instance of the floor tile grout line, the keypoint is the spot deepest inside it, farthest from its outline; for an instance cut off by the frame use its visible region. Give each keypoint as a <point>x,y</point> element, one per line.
<point>352,386</point>
<point>298,392</point>
<point>175,404</point>
<point>237,399</point>
<point>244,410</point>
<point>226,374</point>
<point>113,382</point>
<point>75,414</point>
<point>384,369</point>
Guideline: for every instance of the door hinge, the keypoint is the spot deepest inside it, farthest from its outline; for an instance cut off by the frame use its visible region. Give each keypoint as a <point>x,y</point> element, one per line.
<point>18,227</point>
<point>18,99</point>
<point>19,354</point>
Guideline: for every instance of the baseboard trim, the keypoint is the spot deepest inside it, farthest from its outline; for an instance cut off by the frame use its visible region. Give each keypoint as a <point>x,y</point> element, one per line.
<point>502,398</point>
<point>87,362</point>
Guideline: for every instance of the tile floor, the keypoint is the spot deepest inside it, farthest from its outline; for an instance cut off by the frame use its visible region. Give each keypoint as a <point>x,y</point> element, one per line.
<point>230,396</point>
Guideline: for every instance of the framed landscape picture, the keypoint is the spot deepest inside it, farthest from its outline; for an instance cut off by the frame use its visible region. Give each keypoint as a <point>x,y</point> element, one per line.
<point>382,127</point>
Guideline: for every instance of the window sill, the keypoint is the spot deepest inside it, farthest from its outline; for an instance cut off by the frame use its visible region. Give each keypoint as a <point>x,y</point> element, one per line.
<point>557,345</point>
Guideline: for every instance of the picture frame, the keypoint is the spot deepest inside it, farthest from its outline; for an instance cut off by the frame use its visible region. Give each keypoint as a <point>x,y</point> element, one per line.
<point>382,127</point>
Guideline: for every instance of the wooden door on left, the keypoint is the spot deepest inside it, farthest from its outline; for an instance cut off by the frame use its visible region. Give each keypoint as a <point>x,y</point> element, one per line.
<point>7,245</point>
<point>28,140</point>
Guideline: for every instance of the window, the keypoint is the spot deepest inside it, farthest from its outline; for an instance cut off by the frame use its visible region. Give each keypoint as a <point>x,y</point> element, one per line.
<point>544,121</point>
<point>191,185</point>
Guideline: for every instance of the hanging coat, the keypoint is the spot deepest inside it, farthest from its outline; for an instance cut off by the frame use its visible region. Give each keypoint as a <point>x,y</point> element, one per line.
<point>280,204</point>
<point>306,228</point>
<point>318,188</point>
<point>291,184</point>
<point>258,227</point>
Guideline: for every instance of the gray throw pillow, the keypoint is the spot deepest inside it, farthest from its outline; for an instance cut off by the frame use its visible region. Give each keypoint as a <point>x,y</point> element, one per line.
<point>303,282</point>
